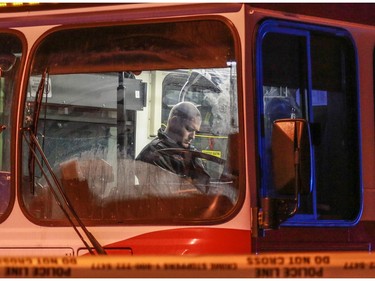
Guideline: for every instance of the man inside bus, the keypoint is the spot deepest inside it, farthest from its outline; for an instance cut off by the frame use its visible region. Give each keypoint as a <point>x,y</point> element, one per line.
<point>184,121</point>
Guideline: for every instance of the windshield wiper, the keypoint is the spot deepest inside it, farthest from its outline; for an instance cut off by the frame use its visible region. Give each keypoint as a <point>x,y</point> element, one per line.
<point>33,127</point>
<point>57,191</point>
<point>59,194</point>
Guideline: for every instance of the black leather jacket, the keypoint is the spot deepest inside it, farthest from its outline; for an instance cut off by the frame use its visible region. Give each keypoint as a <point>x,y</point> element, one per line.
<point>181,164</point>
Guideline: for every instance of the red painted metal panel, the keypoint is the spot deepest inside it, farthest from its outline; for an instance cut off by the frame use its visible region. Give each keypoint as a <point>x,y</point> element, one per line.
<point>185,241</point>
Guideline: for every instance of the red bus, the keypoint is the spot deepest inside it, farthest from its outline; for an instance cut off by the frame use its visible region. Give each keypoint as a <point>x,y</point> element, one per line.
<point>286,95</point>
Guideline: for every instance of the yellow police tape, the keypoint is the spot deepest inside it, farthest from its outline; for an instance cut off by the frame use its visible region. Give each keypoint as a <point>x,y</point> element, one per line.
<point>297,265</point>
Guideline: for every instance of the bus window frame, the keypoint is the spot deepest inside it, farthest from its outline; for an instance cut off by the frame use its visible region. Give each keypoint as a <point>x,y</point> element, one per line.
<point>237,54</point>
<point>283,26</point>
<point>11,173</point>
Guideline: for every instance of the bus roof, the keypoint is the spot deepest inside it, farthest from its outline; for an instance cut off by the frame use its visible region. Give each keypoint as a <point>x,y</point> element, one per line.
<point>362,13</point>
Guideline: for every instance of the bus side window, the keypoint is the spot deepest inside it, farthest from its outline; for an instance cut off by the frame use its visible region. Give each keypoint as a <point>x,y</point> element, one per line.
<point>10,58</point>
<point>309,72</point>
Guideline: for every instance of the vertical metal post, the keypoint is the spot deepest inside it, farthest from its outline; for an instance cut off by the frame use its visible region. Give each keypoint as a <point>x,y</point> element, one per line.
<point>121,118</point>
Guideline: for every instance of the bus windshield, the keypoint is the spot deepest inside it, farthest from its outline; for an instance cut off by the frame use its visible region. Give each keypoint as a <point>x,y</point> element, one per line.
<point>107,93</point>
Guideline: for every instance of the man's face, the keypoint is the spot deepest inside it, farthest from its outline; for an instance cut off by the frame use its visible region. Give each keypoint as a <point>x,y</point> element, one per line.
<point>184,133</point>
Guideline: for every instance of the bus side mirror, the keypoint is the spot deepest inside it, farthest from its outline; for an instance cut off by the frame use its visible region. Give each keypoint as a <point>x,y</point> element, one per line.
<point>291,159</point>
<point>291,171</point>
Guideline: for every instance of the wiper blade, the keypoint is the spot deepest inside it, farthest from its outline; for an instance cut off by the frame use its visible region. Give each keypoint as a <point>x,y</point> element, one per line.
<point>38,101</point>
<point>59,194</point>
<point>33,127</point>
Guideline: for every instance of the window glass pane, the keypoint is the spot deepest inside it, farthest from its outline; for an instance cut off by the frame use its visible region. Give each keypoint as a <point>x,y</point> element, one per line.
<point>213,93</point>
<point>10,58</point>
<point>284,90</point>
<point>335,127</point>
<point>111,100</point>
<point>290,62</point>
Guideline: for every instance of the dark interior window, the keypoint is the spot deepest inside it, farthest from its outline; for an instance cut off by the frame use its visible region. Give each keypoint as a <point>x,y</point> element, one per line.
<point>311,74</point>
